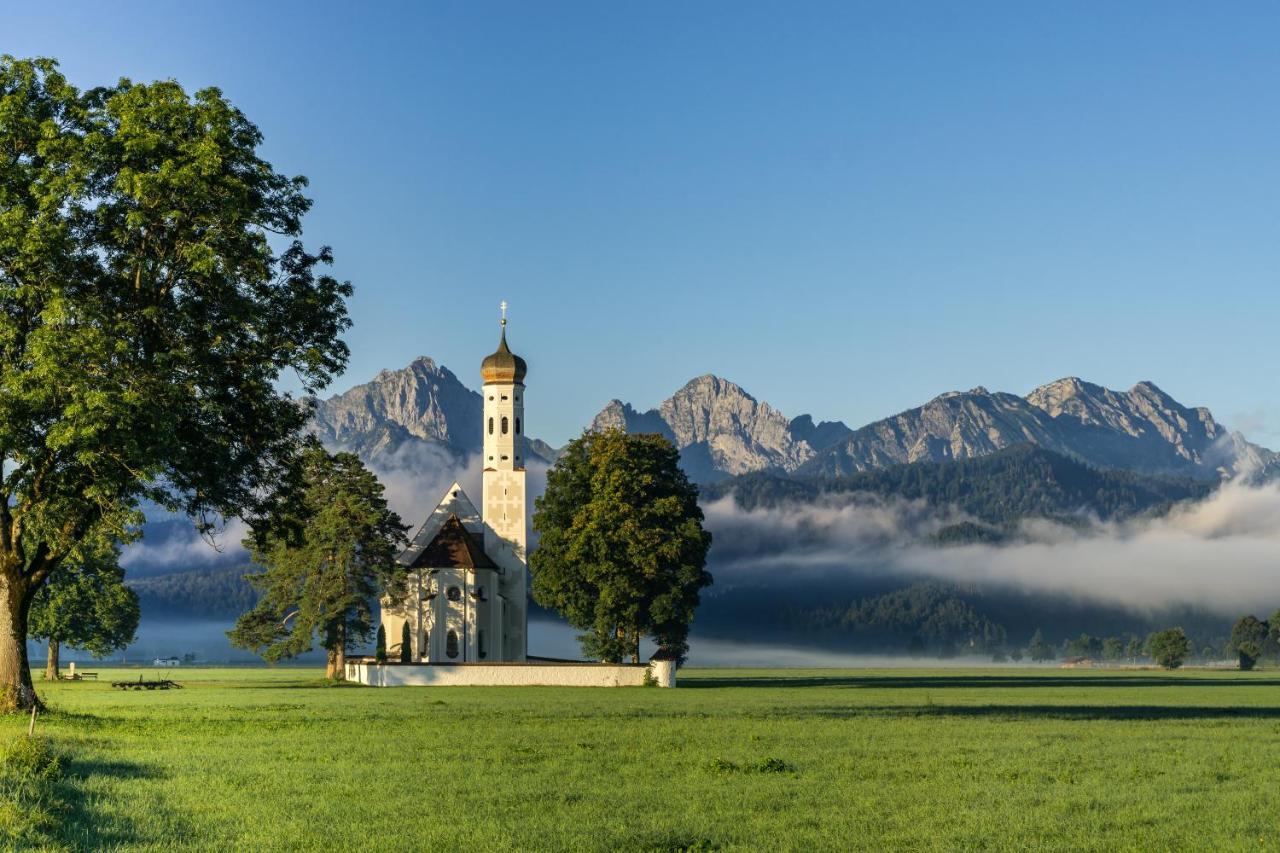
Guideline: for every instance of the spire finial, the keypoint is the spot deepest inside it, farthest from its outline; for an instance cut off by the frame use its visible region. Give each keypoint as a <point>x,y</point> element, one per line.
<point>503,306</point>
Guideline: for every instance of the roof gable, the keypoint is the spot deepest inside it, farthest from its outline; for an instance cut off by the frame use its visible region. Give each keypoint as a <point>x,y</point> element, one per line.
<point>455,502</point>
<point>454,547</point>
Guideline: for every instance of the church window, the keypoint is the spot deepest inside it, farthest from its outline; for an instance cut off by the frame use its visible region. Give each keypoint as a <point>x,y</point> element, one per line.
<point>505,425</point>
<point>453,593</point>
<point>490,426</point>
<point>451,644</point>
<point>504,396</point>
<point>504,459</point>
<point>517,426</point>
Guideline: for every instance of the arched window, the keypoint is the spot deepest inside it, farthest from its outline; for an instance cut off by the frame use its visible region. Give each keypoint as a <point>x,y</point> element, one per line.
<point>504,424</point>
<point>517,426</point>
<point>490,426</point>
<point>451,644</point>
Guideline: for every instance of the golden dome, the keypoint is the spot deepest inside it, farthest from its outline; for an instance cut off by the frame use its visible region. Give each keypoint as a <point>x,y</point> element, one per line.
<point>503,366</point>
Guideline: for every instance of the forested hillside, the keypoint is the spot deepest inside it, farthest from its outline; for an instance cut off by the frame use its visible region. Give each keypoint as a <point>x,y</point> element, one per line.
<point>202,593</point>
<point>1020,482</point>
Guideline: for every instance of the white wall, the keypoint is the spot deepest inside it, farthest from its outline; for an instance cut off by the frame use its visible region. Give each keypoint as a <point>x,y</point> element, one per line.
<point>484,675</point>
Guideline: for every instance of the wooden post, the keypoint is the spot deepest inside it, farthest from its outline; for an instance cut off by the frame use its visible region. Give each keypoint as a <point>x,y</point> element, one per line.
<point>31,729</point>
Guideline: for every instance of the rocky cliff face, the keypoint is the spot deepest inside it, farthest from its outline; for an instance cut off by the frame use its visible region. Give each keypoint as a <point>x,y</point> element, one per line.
<point>721,430</point>
<point>1142,429</point>
<point>423,401</point>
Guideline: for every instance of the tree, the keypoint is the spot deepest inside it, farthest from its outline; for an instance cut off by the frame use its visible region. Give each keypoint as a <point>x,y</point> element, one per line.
<point>380,645</point>
<point>1085,646</point>
<point>1169,648</point>
<point>1248,636</point>
<point>1039,650</point>
<point>622,553</point>
<point>326,558</point>
<point>85,606</point>
<point>1016,655</point>
<point>1112,648</point>
<point>145,316</point>
<point>1133,648</point>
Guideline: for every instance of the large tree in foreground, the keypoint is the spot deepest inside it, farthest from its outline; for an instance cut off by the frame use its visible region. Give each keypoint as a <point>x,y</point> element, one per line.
<point>327,557</point>
<point>622,551</point>
<point>85,605</point>
<point>145,317</point>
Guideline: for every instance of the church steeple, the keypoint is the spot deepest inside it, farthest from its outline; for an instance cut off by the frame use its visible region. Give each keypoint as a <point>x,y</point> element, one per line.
<point>503,480</point>
<point>503,365</point>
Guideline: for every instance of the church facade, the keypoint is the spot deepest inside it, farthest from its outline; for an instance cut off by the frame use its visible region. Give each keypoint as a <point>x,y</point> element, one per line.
<point>466,598</point>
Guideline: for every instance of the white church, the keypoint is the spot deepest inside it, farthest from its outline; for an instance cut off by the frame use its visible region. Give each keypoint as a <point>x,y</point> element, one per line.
<point>463,619</point>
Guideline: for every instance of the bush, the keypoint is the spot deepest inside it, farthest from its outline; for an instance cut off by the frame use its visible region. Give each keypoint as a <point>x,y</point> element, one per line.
<point>29,800</point>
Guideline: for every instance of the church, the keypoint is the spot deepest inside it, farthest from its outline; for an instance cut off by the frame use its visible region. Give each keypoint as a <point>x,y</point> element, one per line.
<point>463,617</point>
<point>467,598</point>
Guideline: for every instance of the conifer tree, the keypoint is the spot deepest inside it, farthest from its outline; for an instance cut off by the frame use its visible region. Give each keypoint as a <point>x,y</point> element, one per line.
<point>327,556</point>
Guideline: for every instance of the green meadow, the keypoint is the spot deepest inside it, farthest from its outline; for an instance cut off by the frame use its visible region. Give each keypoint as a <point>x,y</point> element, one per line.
<point>733,759</point>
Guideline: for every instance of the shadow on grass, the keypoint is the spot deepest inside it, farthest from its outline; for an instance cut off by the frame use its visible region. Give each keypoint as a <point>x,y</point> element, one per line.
<point>93,819</point>
<point>935,682</point>
<point>1056,712</point>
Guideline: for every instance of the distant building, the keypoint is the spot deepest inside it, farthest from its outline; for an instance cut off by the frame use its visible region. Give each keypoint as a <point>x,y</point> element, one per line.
<point>466,600</point>
<point>166,662</point>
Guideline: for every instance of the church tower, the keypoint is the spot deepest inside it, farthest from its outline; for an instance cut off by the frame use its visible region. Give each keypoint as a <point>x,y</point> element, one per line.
<point>503,497</point>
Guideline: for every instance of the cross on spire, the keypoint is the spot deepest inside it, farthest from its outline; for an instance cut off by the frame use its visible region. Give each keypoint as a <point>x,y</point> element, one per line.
<point>503,306</point>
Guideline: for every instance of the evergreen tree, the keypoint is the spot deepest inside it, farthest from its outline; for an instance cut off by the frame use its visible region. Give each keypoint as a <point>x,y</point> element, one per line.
<point>1038,649</point>
<point>1112,648</point>
<point>622,553</point>
<point>327,555</point>
<point>86,606</point>
<point>145,317</point>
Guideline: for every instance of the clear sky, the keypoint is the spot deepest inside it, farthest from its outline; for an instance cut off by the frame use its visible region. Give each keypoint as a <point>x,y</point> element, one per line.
<point>846,208</point>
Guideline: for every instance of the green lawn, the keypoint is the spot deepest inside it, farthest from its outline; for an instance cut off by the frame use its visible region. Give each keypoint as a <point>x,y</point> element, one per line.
<point>782,759</point>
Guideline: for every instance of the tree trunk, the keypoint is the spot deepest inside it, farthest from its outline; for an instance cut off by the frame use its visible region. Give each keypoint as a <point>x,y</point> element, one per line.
<point>336,668</point>
<point>16,690</point>
<point>51,663</point>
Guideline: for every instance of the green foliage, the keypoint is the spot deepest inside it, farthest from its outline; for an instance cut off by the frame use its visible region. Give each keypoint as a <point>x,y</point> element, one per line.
<point>1019,482</point>
<point>1169,648</point>
<point>622,553</point>
<point>86,605</point>
<point>145,318</point>
<point>1085,646</point>
<point>326,557</point>
<point>1112,648</point>
<point>203,593</point>
<point>380,645</point>
<point>1038,649</point>
<point>30,799</point>
<point>922,617</point>
<point>1248,638</point>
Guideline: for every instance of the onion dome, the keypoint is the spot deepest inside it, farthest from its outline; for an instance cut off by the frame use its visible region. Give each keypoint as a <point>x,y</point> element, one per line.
<point>503,366</point>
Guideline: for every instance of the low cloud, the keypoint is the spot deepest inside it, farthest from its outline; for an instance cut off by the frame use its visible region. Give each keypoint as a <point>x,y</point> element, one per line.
<point>1221,554</point>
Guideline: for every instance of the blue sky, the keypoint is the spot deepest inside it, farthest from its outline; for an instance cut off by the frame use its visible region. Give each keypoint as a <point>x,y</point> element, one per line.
<point>846,208</point>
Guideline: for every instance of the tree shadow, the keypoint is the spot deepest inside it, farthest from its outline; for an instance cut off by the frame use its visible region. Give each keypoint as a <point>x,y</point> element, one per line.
<point>935,682</point>
<point>91,820</point>
<point>1055,712</point>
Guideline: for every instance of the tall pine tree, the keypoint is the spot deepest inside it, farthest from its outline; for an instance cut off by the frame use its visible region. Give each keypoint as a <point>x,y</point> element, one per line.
<point>327,556</point>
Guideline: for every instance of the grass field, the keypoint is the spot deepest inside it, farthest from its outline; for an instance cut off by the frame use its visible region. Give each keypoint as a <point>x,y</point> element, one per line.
<point>784,759</point>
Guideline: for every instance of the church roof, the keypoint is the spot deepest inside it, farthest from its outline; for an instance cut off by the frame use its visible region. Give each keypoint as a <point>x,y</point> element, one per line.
<point>454,502</point>
<point>503,365</point>
<point>454,547</point>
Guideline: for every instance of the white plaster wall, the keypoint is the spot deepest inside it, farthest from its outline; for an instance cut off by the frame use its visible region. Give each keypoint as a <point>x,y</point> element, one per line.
<point>495,675</point>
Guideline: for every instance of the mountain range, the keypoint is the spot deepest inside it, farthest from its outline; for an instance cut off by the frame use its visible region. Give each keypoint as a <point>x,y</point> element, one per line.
<point>722,431</point>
